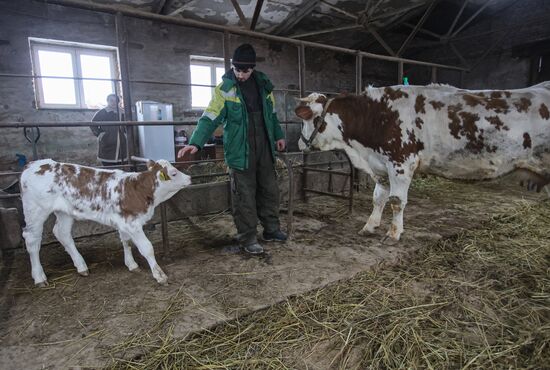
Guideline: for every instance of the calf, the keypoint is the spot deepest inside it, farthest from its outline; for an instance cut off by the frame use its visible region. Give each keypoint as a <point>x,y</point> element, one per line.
<point>123,200</point>
<point>392,132</point>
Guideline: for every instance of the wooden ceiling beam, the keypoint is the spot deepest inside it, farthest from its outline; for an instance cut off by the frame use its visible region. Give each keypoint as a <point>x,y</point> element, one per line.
<point>418,26</point>
<point>256,15</point>
<point>240,13</point>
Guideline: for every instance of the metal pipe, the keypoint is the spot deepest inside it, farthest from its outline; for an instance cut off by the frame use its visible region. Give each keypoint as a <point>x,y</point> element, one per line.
<point>18,75</point>
<point>86,124</point>
<point>164,229</point>
<point>304,176</point>
<point>302,69</point>
<point>351,180</point>
<point>326,193</point>
<point>210,175</point>
<point>358,74</point>
<point>192,23</point>
<point>226,51</point>
<point>322,170</point>
<point>290,210</point>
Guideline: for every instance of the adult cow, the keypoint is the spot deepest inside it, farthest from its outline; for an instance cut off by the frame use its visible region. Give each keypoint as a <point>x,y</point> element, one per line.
<point>391,132</point>
<point>123,200</point>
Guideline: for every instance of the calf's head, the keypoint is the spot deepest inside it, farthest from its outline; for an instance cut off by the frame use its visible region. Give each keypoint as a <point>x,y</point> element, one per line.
<point>168,178</point>
<point>309,109</point>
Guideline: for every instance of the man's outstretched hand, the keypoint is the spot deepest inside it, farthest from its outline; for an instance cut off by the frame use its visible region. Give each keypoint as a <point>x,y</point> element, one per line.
<point>187,149</point>
<point>281,144</point>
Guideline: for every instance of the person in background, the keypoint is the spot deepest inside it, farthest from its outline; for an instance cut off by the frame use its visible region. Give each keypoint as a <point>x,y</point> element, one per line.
<point>243,102</point>
<point>111,140</point>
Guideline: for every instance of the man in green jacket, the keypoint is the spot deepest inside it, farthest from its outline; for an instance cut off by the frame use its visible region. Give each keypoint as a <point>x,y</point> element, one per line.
<point>244,104</point>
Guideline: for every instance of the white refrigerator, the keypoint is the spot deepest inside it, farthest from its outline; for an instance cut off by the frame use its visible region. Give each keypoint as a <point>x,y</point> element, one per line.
<point>155,142</point>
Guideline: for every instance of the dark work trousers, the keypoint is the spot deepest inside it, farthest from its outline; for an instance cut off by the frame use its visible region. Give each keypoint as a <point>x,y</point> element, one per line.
<point>254,191</point>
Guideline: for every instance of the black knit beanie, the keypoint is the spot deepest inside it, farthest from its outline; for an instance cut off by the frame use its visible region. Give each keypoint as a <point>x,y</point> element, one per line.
<point>244,56</point>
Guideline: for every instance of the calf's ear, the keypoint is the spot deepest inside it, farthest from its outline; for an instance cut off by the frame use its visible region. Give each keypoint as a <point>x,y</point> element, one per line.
<point>150,164</point>
<point>304,112</point>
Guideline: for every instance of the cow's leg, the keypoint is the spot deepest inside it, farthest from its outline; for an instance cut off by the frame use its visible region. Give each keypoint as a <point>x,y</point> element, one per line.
<point>32,233</point>
<point>128,257</point>
<point>379,199</point>
<point>399,189</point>
<point>146,249</point>
<point>547,188</point>
<point>62,231</point>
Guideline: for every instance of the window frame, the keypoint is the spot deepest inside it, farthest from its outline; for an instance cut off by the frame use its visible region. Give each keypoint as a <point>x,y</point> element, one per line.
<point>213,63</point>
<point>75,49</point>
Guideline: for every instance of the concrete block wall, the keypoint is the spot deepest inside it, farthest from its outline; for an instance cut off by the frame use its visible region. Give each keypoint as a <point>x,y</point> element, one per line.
<point>156,52</point>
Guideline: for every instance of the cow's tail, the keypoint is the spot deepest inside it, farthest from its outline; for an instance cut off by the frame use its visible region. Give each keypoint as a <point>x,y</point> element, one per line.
<point>533,180</point>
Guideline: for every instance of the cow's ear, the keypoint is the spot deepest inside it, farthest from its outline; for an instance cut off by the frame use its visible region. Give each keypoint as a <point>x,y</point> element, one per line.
<point>304,112</point>
<point>321,100</point>
<point>150,164</point>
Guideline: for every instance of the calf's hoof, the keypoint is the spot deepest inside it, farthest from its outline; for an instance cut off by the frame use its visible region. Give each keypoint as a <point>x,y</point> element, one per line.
<point>84,272</point>
<point>367,230</point>
<point>160,276</point>
<point>162,280</point>
<point>389,240</point>
<point>133,267</point>
<point>42,284</point>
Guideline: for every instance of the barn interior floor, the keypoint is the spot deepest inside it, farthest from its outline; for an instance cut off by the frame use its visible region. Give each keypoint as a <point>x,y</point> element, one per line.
<point>76,321</point>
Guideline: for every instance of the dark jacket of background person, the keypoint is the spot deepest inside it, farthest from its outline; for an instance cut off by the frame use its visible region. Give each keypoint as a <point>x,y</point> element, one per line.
<point>111,139</point>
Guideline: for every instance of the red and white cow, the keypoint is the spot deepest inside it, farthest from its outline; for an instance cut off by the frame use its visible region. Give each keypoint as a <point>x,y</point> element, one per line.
<point>394,131</point>
<point>123,200</point>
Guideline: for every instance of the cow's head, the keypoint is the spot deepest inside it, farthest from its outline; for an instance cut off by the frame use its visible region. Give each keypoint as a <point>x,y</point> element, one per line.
<point>309,109</point>
<point>168,178</point>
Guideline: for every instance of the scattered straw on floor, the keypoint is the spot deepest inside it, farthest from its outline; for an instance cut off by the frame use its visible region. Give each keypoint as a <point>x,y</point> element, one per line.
<point>479,300</point>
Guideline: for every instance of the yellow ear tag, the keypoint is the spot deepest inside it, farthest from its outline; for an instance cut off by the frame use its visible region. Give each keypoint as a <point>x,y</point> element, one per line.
<point>163,177</point>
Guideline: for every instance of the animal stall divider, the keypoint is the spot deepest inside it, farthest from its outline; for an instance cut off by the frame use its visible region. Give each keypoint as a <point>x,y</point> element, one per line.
<point>312,167</point>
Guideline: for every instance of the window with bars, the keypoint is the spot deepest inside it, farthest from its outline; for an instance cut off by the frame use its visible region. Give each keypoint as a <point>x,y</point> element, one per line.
<point>73,75</point>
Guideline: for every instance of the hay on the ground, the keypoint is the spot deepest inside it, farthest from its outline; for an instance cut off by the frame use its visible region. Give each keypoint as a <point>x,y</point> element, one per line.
<point>478,300</point>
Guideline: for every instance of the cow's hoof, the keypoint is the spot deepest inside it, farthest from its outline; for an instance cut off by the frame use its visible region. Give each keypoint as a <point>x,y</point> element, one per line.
<point>84,272</point>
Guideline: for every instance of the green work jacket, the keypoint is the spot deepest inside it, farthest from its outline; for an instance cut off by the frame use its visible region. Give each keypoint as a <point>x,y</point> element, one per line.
<point>227,107</point>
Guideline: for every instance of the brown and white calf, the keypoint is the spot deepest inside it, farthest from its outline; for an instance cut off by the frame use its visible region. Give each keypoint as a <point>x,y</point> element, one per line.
<point>392,132</point>
<point>123,200</point>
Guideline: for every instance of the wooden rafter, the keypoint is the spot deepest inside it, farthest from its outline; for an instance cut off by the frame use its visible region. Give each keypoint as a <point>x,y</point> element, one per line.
<point>181,9</point>
<point>471,18</point>
<point>294,17</point>
<point>240,13</point>
<point>381,40</point>
<point>157,8</point>
<point>418,26</point>
<point>256,15</point>
<point>456,18</point>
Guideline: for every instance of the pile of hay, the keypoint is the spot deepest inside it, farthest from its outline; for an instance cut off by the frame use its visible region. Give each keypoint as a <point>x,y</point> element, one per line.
<point>478,300</point>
